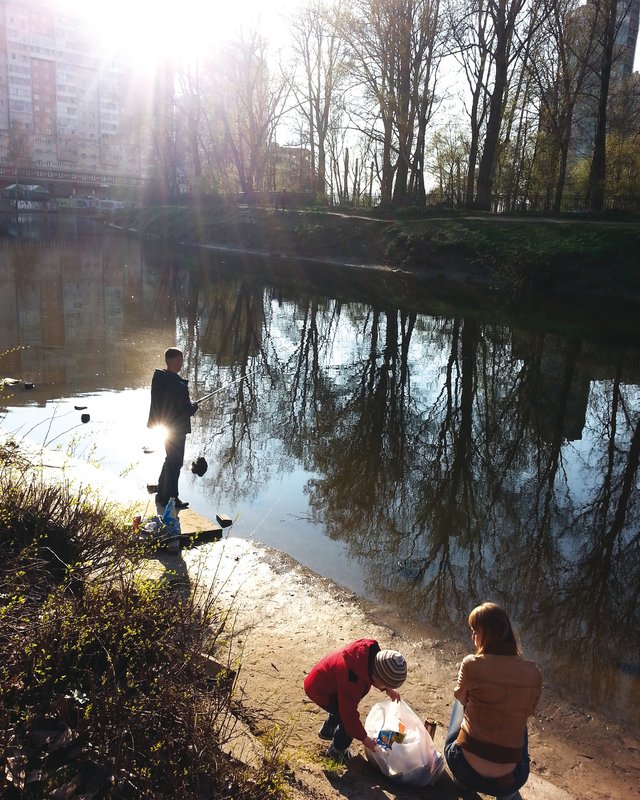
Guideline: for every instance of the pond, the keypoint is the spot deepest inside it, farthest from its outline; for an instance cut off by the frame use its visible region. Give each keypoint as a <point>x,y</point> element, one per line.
<point>423,455</point>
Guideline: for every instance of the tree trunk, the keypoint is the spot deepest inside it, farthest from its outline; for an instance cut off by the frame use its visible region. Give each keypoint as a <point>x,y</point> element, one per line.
<point>490,149</point>
<point>504,14</point>
<point>597,171</point>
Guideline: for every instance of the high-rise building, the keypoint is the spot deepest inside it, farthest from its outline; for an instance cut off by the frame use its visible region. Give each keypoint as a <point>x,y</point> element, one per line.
<point>72,116</point>
<point>627,36</point>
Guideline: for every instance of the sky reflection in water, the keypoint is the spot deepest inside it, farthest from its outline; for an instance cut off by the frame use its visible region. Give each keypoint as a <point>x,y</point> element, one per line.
<point>420,457</point>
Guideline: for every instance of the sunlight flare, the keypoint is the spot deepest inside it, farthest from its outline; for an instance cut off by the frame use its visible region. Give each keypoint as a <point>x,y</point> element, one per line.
<point>152,31</point>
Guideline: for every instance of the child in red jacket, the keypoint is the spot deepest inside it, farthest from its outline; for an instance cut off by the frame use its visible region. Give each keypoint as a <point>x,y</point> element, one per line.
<point>340,680</point>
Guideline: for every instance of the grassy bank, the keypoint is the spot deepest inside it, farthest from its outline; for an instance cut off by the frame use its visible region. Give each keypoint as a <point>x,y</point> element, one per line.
<point>517,255</point>
<point>102,689</point>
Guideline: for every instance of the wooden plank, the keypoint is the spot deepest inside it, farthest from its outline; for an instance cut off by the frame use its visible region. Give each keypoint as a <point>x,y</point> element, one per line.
<point>196,528</point>
<point>191,521</point>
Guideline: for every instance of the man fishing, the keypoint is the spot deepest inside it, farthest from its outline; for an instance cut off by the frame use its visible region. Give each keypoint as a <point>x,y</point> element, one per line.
<point>171,407</point>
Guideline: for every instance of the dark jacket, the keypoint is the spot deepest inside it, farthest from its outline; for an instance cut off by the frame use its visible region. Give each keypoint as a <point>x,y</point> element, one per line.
<point>170,402</point>
<point>344,678</point>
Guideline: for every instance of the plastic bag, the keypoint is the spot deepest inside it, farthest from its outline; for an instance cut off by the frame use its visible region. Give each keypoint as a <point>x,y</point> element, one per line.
<point>160,530</point>
<point>170,519</point>
<point>414,760</point>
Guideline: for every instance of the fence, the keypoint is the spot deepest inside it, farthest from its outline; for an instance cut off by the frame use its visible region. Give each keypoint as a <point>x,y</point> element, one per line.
<point>571,204</point>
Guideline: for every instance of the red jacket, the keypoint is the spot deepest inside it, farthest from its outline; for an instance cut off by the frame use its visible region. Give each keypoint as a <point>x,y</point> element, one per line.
<point>343,678</point>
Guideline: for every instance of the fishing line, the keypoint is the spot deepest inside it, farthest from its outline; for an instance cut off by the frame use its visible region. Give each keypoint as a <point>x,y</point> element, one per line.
<point>264,518</point>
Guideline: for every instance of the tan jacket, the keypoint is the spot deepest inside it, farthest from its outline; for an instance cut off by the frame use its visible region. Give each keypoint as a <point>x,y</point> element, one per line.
<point>498,693</point>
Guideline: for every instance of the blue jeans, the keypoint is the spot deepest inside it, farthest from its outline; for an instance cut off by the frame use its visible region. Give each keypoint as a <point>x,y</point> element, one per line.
<point>468,777</point>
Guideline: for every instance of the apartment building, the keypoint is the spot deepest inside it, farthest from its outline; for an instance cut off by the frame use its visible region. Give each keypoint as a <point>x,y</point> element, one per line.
<point>585,111</point>
<point>627,37</point>
<point>73,116</point>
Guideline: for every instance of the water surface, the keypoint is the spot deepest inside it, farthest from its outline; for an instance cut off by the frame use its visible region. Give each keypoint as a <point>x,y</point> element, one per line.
<point>424,455</point>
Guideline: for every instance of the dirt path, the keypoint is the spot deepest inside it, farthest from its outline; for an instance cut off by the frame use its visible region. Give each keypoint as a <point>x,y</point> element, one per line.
<point>286,617</point>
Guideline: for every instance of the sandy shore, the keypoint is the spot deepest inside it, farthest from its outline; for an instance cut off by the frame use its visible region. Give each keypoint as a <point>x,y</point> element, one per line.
<point>286,617</point>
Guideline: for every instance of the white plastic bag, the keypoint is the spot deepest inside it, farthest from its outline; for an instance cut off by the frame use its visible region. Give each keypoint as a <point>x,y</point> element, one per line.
<point>414,760</point>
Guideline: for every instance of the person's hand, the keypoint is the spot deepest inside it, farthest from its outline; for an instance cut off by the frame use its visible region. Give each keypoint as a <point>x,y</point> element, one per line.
<point>370,743</point>
<point>393,695</point>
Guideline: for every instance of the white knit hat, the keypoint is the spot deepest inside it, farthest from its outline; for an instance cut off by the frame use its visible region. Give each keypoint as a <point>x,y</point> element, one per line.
<point>390,669</point>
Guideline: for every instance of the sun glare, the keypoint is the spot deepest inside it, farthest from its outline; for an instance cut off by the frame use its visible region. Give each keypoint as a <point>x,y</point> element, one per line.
<point>157,436</point>
<point>150,31</point>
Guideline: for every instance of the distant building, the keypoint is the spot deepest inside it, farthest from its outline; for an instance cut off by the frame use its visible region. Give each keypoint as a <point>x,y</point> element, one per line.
<point>628,38</point>
<point>626,42</point>
<point>70,114</point>
<point>292,169</point>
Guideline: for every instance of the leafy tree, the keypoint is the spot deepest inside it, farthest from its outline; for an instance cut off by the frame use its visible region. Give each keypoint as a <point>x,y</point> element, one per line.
<point>449,158</point>
<point>623,141</point>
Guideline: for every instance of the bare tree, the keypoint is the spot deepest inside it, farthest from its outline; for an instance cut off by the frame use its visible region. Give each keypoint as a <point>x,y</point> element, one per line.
<point>609,15</point>
<point>471,43</point>
<point>623,140</point>
<point>517,150</point>
<point>316,43</point>
<point>190,104</point>
<point>394,46</point>
<point>163,129</point>
<point>248,102</point>
<point>504,15</point>
<point>563,54</point>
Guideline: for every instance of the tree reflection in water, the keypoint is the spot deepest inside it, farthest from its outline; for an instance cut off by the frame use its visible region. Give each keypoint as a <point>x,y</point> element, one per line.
<point>458,459</point>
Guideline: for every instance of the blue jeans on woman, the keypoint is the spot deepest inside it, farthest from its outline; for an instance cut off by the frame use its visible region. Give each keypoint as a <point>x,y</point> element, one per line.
<point>464,773</point>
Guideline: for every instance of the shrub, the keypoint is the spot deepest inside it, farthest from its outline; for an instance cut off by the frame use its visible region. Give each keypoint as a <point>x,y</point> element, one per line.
<point>102,691</point>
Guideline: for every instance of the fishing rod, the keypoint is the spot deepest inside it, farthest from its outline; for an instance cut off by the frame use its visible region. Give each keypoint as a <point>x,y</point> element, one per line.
<point>226,386</point>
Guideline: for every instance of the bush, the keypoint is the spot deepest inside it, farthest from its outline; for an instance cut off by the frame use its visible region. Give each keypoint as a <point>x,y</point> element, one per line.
<point>102,690</point>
